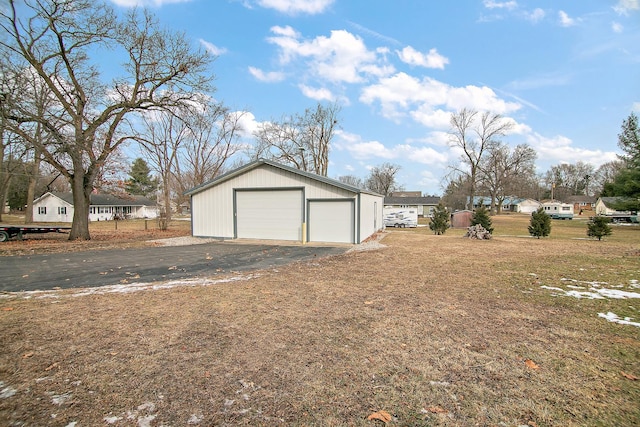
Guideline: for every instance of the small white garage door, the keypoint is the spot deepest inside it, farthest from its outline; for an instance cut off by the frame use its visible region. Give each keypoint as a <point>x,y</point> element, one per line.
<point>269,214</point>
<point>331,221</point>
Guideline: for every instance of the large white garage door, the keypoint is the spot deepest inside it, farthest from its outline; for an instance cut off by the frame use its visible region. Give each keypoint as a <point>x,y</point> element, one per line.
<point>272,214</point>
<point>331,221</point>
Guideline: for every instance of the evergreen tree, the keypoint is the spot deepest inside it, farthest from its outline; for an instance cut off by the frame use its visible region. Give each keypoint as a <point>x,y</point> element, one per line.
<point>626,184</point>
<point>440,220</point>
<point>598,226</point>
<point>481,216</point>
<point>540,224</point>
<point>141,182</point>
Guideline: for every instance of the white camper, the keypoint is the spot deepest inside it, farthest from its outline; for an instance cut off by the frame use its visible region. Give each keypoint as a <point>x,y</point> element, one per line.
<point>400,217</point>
<point>558,210</point>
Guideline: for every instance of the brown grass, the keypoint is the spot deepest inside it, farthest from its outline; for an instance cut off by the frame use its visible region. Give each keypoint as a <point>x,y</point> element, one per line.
<point>434,330</point>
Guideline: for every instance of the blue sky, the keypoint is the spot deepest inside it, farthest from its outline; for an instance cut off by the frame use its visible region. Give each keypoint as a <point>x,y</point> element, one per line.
<point>565,72</point>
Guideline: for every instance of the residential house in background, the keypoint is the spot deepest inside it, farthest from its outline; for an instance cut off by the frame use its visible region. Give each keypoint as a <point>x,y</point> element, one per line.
<point>509,204</point>
<point>424,205</point>
<point>582,203</point>
<point>58,207</point>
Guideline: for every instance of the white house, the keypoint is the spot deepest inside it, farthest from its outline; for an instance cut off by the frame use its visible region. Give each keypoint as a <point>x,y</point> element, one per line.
<point>268,200</point>
<point>58,207</point>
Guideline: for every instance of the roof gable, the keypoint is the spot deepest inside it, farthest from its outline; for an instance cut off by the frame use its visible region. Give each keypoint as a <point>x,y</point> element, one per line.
<point>101,199</point>
<point>253,165</point>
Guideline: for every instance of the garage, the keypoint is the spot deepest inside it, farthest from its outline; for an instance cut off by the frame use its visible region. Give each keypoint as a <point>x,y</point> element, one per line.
<point>269,214</point>
<point>272,201</point>
<point>331,221</point>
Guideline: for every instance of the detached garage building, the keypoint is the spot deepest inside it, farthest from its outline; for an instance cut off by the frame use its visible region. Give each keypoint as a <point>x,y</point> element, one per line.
<point>267,200</point>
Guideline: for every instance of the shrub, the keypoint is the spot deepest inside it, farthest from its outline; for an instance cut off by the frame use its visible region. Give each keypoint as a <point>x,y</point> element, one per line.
<point>440,220</point>
<point>598,226</point>
<point>540,224</point>
<point>481,216</point>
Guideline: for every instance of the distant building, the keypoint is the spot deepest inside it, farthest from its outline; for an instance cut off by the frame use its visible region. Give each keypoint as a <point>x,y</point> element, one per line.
<point>412,200</point>
<point>58,207</point>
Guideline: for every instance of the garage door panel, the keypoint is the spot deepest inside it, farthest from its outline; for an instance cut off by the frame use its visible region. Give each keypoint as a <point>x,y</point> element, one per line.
<point>331,221</point>
<point>273,214</point>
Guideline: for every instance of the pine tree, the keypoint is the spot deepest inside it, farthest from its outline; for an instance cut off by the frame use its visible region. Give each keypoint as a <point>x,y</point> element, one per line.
<point>540,224</point>
<point>481,216</point>
<point>598,226</point>
<point>141,182</point>
<point>440,220</point>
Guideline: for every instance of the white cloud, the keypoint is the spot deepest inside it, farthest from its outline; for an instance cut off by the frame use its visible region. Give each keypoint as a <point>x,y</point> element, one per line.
<point>429,60</point>
<point>536,15</point>
<point>560,149</point>
<point>294,7</point>
<point>319,94</point>
<point>624,7</point>
<point>636,106</point>
<point>617,27</point>
<point>213,49</point>
<point>400,93</point>
<point>269,77</point>
<point>339,58</point>
<point>509,5</point>
<point>565,20</point>
<point>145,3</point>
<point>367,150</point>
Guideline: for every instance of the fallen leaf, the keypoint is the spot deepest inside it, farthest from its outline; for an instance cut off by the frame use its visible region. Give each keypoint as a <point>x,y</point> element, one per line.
<point>25,276</point>
<point>7,308</point>
<point>383,416</point>
<point>53,365</point>
<point>102,273</point>
<point>208,257</point>
<point>28,355</point>
<point>629,376</point>
<point>173,267</point>
<point>531,364</point>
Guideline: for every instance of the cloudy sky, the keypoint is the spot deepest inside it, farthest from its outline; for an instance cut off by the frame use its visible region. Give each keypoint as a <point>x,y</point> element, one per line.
<point>566,72</point>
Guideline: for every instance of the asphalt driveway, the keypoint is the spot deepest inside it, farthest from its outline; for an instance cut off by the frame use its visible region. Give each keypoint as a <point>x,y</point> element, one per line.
<point>111,267</point>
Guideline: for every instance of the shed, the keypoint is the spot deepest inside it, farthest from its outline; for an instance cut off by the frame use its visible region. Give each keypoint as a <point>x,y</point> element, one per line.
<point>461,219</point>
<point>268,200</point>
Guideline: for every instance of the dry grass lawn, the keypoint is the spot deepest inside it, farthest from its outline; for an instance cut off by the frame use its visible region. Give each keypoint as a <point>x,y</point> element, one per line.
<point>429,331</point>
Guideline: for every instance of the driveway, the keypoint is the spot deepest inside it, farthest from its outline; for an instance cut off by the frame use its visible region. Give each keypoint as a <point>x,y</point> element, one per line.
<point>111,267</point>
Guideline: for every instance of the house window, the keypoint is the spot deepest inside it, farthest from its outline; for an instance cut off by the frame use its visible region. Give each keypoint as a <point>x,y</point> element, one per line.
<point>42,210</point>
<point>62,210</point>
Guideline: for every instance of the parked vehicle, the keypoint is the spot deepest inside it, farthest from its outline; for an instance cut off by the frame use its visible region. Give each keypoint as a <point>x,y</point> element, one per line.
<point>9,231</point>
<point>400,217</point>
<point>558,210</point>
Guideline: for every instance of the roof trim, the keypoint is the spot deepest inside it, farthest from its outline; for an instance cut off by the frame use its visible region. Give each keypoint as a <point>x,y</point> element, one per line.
<point>260,162</point>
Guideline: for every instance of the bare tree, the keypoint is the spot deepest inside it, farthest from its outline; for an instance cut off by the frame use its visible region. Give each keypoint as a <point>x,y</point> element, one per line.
<point>474,136</point>
<point>302,141</point>
<point>214,132</point>
<point>604,174</point>
<point>382,179</point>
<point>56,41</point>
<point>567,180</point>
<point>502,171</point>
<point>351,180</point>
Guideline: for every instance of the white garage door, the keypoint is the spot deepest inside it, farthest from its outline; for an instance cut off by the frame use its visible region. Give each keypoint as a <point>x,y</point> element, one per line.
<point>272,214</point>
<point>331,221</point>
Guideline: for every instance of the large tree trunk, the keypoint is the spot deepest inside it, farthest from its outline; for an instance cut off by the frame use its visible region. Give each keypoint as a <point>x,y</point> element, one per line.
<point>31,189</point>
<point>81,202</point>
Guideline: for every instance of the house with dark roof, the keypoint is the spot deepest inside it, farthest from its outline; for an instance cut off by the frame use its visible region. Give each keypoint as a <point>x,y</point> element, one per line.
<point>58,207</point>
<point>412,200</point>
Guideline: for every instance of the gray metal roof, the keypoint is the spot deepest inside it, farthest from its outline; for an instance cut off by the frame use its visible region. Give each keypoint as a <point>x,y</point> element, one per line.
<point>246,168</point>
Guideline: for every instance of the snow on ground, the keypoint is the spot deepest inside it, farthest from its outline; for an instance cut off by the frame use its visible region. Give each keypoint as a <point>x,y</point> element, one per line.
<point>599,290</point>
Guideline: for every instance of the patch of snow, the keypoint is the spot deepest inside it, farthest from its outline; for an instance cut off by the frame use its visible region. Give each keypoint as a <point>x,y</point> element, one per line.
<point>195,419</point>
<point>112,420</point>
<point>6,392</point>
<point>612,317</point>
<point>61,399</point>
<point>146,421</point>
<point>72,424</point>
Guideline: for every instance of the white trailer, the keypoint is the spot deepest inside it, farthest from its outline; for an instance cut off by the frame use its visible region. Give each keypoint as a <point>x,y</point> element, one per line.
<point>558,210</point>
<point>400,217</point>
